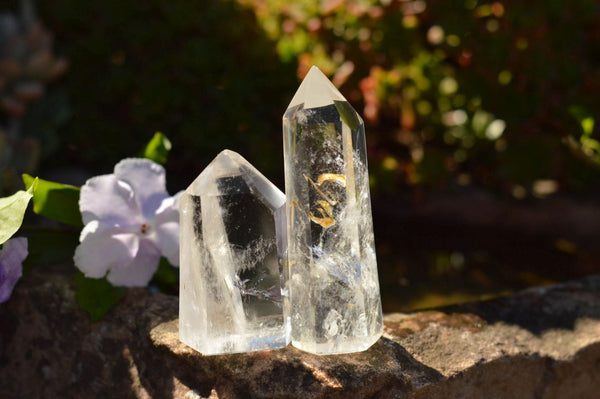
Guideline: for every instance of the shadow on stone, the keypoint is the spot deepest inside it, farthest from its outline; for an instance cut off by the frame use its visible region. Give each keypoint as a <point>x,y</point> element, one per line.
<point>506,348</point>
<point>541,309</point>
<point>50,348</point>
<point>523,376</point>
<point>386,367</point>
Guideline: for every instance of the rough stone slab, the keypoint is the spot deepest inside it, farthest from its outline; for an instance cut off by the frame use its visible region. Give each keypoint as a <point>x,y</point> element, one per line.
<point>541,343</point>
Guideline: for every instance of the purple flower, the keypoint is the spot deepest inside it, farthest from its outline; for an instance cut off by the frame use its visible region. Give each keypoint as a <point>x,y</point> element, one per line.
<point>130,222</point>
<point>12,255</point>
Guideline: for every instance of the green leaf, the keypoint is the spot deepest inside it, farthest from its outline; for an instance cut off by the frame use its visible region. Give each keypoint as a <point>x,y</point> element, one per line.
<point>56,201</point>
<point>12,211</point>
<point>96,296</point>
<point>166,278</point>
<point>587,124</point>
<point>581,151</point>
<point>158,148</point>
<point>585,119</point>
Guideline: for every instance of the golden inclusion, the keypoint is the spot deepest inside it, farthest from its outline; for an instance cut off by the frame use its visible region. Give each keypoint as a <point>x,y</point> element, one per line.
<point>334,300</point>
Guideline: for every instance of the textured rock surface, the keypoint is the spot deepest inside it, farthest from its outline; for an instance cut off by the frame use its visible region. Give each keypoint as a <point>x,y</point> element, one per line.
<point>541,343</point>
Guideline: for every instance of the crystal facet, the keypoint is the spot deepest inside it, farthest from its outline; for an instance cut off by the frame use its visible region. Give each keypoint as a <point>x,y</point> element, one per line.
<point>230,289</point>
<point>335,306</point>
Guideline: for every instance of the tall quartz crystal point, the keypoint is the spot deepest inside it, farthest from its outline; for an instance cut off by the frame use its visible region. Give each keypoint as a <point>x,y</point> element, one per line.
<point>231,272</point>
<point>335,306</point>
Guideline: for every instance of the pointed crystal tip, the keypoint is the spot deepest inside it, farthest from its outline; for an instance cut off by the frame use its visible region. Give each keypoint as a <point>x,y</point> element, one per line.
<point>228,160</point>
<point>316,91</point>
<point>228,165</point>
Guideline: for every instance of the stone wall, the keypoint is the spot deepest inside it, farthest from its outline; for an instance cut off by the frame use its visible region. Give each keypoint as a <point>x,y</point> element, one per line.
<point>541,343</point>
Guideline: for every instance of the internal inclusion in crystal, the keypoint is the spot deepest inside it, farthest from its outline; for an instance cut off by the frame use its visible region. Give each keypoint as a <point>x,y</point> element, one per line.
<point>231,271</point>
<point>335,306</point>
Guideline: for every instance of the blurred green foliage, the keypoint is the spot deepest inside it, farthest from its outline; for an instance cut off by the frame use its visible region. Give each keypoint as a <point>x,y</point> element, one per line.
<point>202,72</point>
<point>462,90</point>
<point>481,90</point>
<point>497,93</point>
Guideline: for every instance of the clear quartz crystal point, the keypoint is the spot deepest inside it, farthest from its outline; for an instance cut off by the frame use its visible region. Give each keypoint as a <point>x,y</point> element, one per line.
<point>231,272</point>
<point>335,306</point>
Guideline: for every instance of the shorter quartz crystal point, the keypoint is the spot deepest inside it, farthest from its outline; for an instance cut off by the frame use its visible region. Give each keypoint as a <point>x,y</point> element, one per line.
<point>231,287</point>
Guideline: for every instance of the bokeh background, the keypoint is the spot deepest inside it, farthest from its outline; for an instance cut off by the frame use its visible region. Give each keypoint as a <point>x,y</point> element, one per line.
<point>480,116</point>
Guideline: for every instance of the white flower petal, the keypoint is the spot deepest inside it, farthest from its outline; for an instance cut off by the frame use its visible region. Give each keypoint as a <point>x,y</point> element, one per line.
<point>90,228</point>
<point>140,270</point>
<point>176,199</point>
<point>167,237</point>
<point>147,179</point>
<point>166,225</point>
<point>105,198</point>
<point>103,248</point>
<point>169,207</point>
<point>169,204</point>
